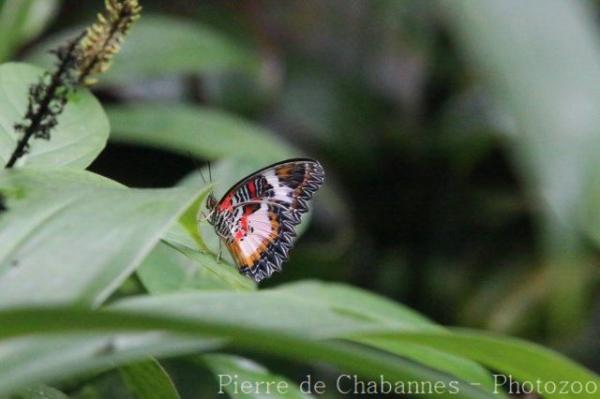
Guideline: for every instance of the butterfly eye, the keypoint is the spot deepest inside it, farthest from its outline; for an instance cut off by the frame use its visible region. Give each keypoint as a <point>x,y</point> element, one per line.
<point>211,201</point>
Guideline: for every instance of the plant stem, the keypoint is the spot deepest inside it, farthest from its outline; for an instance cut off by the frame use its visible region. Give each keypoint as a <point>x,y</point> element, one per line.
<point>37,118</point>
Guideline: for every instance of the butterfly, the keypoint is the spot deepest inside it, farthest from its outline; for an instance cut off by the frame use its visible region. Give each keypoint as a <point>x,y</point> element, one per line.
<point>256,218</point>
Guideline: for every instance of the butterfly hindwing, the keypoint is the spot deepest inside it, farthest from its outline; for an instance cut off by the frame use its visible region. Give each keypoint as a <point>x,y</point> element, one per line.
<point>261,241</point>
<point>256,218</point>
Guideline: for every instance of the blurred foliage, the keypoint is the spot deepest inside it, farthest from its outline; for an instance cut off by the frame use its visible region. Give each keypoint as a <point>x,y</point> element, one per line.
<point>461,145</point>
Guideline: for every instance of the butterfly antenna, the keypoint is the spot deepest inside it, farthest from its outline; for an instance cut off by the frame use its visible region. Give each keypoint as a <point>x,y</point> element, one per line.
<point>202,175</point>
<point>209,172</point>
<point>197,165</point>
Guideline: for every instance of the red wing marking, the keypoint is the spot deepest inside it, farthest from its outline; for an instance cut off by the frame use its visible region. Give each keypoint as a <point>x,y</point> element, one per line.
<point>226,203</point>
<point>252,189</point>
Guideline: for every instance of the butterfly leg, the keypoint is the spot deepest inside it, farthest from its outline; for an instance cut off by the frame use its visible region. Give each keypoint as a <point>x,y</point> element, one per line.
<point>201,217</point>
<point>220,252</point>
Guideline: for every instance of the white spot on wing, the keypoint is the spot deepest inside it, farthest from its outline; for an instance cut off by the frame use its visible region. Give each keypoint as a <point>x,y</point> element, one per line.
<point>261,224</point>
<point>281,193</point>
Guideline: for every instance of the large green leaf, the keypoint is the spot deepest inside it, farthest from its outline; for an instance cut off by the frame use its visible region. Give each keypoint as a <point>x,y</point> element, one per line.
<point>439,359</point>
<point>261,333</point>
<point>21,20</point>
<point>174,268</point>
<point>197,131</point>
<point>38,391</point>
<point>230,371</point>
<point>149,380</point>
<point>353,301</point>
<point>159,46</point>
<point>440,349</point>
<point>268,310</point>
<point>78,138</point>
<point>275,322</point>
<point>73,236</point>
<point>522,361</point>
<point>362,304</point>
<point>367,306</point>
<point>29,360</point>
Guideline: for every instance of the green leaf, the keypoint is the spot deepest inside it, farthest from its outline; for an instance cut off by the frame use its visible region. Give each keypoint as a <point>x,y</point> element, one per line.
<point>149,380</point>
<point>38,391</point>
<point>29,360</point>
<point>166,270</point>
<point>300,328</point>
<point>547,80</point>
<point>197,131</point>
<point>353,301</point>
<point>189,220</point>
<point>269,310</point>
<point>358,303</point>
<point>73,236</point>
<point>78,138</point>
<point>463,368</point>
<point>234,317</point>
<point>522,360</point>
<point>21,20</point>
<point>175,46</point>
<point>228,369</point>
<point>175,268</point>
<point>277,323</point>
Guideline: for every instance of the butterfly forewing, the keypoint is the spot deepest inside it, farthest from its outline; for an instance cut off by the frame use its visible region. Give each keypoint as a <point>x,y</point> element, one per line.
<point>256,218</point>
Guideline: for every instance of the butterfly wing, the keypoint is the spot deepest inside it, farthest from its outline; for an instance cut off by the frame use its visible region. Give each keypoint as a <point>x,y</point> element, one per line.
<point>256,218</point>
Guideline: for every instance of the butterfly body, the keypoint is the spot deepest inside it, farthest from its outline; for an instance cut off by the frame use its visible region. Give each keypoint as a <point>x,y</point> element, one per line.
<point>256,218</point>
